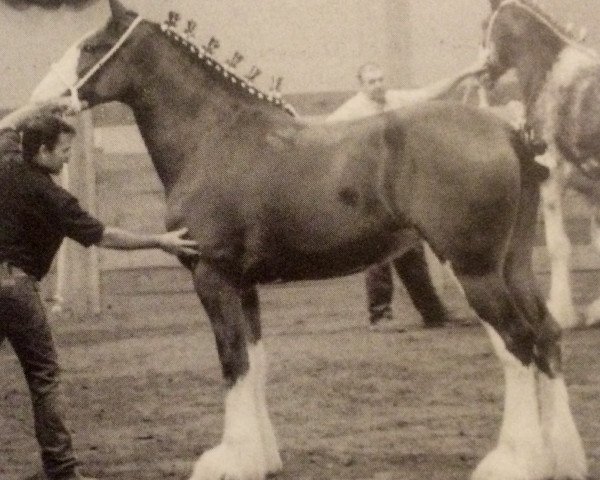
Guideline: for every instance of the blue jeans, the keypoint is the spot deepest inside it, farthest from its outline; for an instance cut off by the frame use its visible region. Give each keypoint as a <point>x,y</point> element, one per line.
<point>24,324</point>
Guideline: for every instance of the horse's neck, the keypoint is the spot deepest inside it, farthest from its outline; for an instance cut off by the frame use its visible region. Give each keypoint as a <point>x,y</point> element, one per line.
<point>533,68</point>
<point>531,75</point>
<point>163,128</point>
<point>177,112</point>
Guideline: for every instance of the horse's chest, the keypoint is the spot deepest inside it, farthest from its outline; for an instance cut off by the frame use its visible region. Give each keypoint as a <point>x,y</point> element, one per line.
<point>573,115</point>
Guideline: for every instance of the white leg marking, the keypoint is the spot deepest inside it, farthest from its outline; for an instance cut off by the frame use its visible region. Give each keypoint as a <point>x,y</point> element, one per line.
<point>240,456</point>
<point>271,451</point>
<point>592,314</point>
<point>520,453</point>
<point>559,430</point>
<point>560,303</point>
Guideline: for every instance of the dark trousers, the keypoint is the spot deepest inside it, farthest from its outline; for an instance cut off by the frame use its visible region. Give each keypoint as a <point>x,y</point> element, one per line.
<point>412,269</point>
<point>24,324</point>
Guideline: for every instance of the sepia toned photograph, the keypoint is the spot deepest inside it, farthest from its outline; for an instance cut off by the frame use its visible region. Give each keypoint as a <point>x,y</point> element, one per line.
<point>299,239</point>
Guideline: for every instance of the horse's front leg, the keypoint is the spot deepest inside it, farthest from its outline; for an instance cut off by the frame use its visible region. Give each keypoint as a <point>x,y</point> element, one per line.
<point>560,301</point>
<point>577,180</point>
<point>520,453</point>
<point>248,450</point>
<point>258,360</point>
<point>592,314</point>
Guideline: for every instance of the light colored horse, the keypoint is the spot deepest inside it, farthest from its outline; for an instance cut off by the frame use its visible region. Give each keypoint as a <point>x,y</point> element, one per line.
<point>560,84</point>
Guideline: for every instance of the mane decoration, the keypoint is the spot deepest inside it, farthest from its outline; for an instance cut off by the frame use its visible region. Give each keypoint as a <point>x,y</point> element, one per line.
<point>225,70</point>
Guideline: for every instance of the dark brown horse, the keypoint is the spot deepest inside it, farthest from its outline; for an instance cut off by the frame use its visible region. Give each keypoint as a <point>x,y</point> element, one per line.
<point>560,86</point>
<point>269,198</point>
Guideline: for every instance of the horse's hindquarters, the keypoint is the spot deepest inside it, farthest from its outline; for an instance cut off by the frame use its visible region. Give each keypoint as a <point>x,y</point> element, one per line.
<point>465,198</point>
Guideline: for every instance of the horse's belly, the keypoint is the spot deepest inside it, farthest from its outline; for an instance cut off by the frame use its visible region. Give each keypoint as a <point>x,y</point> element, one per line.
<point>336,259</point>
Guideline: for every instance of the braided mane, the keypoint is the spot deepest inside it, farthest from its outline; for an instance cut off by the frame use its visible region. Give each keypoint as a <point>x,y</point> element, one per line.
<point>223,72</point>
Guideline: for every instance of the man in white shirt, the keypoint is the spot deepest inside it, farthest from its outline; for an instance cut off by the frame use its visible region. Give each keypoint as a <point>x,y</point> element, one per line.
<point>373,98</point>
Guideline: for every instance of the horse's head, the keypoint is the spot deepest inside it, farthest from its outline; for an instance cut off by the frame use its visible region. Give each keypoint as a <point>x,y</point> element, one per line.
<point>93,68</point>
<point>501,30</point>
<point>519,34</point>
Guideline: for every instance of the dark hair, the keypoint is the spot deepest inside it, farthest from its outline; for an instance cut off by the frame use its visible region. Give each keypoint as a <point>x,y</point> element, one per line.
<point>42,130</point>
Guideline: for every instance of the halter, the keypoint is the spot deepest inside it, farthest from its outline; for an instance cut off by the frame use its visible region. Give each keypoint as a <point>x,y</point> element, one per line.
<point>74,89</point>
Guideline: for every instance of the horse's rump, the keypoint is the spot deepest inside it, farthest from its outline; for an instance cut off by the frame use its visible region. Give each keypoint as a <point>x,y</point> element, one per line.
<point>454,169</point>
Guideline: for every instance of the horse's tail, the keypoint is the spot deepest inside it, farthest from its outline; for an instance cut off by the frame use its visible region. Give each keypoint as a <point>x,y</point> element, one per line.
<point>527,148</point>
<point>520,253</point>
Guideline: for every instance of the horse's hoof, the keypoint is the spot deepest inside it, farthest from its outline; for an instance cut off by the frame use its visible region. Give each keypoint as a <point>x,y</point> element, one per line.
<point>505,464</point>
<point>274,466</point>
<point>227,462</point>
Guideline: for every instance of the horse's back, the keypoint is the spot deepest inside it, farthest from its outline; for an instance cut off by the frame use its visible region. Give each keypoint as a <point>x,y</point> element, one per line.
<point>459,142</point>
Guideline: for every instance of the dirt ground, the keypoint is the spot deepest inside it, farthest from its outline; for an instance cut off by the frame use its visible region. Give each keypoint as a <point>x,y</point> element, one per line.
<point>145,395</point>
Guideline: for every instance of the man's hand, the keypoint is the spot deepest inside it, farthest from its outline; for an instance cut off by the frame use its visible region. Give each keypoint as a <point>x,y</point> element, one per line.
<point>62,106</point>
<point>175,243</point>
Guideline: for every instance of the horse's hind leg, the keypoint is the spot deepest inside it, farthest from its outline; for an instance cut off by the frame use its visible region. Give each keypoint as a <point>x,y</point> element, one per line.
<point>241,454</point>
<point>559,430</point>
<point>538,437</point>
<point>559,433</point>
<point>520,452</point>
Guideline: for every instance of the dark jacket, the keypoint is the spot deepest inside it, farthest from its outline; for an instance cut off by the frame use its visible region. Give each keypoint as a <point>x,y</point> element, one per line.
<point>36,214</point>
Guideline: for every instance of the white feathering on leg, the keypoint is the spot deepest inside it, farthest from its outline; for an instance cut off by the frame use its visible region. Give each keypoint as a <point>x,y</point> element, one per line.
<point>559,430</point>
<point>520,453</point>
<point>240,455</point>
<point>271,451</point>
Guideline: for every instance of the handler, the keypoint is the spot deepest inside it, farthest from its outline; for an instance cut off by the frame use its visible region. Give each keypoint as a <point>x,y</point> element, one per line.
<point>35,216</point>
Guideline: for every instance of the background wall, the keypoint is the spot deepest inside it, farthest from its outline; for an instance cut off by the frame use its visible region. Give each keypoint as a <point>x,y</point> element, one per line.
<point>316,45</point>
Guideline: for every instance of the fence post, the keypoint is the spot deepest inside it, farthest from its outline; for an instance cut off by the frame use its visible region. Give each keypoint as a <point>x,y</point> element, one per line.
<point>78,268</point>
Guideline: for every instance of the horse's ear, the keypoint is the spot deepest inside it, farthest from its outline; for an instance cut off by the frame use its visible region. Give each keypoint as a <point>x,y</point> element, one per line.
<point>117,9</point>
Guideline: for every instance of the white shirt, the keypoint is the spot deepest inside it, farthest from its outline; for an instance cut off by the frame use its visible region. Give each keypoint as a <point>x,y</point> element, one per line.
<point>360,106</point>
